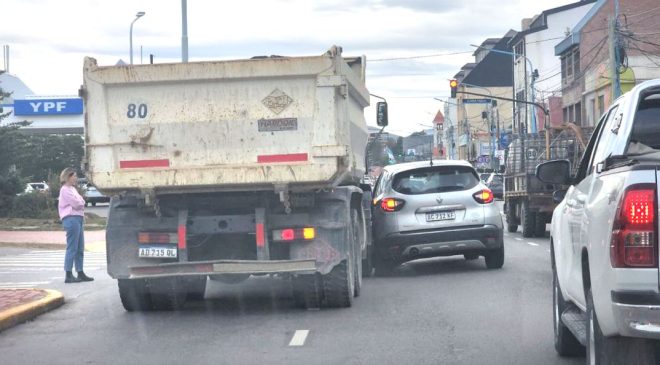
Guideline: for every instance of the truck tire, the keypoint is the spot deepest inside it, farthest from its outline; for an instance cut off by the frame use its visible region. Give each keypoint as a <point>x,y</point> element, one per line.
<point>367,263</point>
<point>511,220</point>
<point>195,289</point>
<point>539,225</point>
<point>527,220</point>
<point>565,342</point>
<point>603,350</point>
<point>356,242</point>
<point>495,258</point>
<point>306,291</point>
<point>134,295</point>
<point>167,294</point>
<point>339,284</point>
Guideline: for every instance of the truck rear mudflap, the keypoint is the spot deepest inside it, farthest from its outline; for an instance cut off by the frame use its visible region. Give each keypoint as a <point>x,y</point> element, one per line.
<point>224,267</point>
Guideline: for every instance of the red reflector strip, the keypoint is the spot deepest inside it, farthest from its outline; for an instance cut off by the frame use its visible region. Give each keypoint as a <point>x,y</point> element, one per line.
<point>182,237</point>
<point>261,235</point>
<point>292,157</point>
<point>157,237</point>
<point>136,164</point>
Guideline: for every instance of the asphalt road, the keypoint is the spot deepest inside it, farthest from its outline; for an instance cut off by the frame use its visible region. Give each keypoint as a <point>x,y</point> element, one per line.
<point>101,209</point>
<point>434,311</point>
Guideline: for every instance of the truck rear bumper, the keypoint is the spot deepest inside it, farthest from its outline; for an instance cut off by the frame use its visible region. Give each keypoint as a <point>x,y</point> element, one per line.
<point>637,313</point>
<point>223,267</point>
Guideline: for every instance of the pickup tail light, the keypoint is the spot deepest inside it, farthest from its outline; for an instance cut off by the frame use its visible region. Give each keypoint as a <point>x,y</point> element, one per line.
<point>634,241</point>
<point>157,238</point>
<point>391,204</point>
<point>484,196</point>
<point>294,234</point>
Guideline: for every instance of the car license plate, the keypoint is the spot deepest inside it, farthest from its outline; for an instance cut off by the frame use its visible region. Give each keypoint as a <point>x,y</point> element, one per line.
<point>158,252</point>
<point>440,216</point>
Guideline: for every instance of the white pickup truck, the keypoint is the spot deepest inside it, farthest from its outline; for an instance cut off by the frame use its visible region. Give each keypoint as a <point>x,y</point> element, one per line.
<point>604,237</point>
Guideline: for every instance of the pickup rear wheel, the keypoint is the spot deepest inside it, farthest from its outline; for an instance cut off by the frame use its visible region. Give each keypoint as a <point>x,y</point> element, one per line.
<point>134,295</point>
<point>565,342</point>
<point>603,350</point>
<point>528,220</point>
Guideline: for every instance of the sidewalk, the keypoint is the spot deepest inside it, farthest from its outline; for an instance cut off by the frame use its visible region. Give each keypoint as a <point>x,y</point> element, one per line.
<point>50,240</point>
<point>21,305</point>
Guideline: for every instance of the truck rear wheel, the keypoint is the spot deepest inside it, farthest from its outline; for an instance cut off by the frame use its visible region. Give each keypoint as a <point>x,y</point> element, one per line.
<point>511,220</point>
<point>339,284</point>
<point>167,294</point>
<point>539,225</point>
<point>356,242</point>
<point>134,295</point>
<point>528,220</point>
<point>306,291</point>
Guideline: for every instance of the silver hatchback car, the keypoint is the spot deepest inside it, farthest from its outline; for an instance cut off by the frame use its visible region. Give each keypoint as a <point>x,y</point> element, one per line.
<point>441,209</point>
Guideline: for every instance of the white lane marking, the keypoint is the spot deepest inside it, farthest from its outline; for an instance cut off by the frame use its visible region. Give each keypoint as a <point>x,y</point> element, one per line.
<point>518,239</point>
<point>532,244</point>
<point>299,338</point>
<point>23,284</point>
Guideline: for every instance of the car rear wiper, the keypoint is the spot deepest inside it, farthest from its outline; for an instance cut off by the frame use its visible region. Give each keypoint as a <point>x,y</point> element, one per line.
<point>616,161</point>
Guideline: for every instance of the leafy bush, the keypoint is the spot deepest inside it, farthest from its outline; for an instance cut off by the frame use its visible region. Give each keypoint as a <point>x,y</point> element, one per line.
<point>34,205</point>
<point>10,185</point>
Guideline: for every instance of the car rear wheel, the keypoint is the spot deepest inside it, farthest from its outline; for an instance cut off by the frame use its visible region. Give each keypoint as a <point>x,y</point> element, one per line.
<point>565,342</point>
<point>495,258</point>
<point>384,267</point>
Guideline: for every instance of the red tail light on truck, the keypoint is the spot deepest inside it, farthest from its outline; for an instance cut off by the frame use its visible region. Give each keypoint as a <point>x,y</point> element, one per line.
<point>634,236</point>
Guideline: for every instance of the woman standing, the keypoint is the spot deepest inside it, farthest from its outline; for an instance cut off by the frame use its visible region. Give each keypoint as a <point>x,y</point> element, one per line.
<point>71,208</point>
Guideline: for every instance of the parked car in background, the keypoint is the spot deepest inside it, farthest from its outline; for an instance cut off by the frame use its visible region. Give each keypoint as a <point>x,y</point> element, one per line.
<point>440,209</point>
<point>36,187</point>
<point>604,237</point>
<point>93,196</point>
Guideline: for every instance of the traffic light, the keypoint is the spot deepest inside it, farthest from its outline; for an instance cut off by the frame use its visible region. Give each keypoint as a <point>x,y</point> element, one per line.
<point>453,84</point>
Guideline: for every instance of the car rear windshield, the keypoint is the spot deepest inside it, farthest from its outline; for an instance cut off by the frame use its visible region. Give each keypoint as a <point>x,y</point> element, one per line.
<point>435,180</point>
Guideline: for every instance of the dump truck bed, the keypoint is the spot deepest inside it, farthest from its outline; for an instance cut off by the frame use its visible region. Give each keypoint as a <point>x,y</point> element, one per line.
<point>223,126</point>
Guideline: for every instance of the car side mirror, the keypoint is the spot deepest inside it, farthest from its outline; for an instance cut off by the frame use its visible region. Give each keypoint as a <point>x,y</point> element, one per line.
<point>554,172</point>
<point>558,196</point>
<point>381,114</point>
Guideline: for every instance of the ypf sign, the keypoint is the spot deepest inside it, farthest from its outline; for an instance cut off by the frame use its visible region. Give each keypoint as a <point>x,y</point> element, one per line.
<point>48,106</point>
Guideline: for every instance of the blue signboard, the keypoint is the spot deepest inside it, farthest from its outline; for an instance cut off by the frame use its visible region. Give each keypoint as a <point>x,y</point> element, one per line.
<point>476,101</point>
<point>48,106</point>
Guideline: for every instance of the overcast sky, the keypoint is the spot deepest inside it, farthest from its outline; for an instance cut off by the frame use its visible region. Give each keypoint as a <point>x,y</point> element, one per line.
<point>49,38</point>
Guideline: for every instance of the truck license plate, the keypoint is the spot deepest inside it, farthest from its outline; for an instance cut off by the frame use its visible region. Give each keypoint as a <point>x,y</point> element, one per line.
<point>158,252</point>
<point>440,216</point>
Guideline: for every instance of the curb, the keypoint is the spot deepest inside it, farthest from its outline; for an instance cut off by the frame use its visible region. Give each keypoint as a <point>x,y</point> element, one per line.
<point>89,247</point>
<point>28,311</point>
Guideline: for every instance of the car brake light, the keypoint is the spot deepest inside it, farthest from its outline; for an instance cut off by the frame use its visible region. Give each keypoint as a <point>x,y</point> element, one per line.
<point>391,205</point>
<point>634,239</point>
<point>294,234</point>
<point>484,196</point>
<point>157,237</point>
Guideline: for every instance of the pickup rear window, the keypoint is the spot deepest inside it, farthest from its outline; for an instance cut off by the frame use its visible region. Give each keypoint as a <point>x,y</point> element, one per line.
<point>646,126</point>
<point>435,179</point>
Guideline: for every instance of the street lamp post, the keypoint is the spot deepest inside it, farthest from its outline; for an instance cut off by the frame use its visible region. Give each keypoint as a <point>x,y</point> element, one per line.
<point>533,75</point>
<point>139,15</point>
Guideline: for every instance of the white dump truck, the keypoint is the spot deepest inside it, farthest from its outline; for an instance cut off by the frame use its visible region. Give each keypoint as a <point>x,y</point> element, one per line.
<point>230,169</point>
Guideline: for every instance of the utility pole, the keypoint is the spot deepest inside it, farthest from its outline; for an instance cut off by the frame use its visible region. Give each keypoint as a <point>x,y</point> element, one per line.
<point>614,52</point>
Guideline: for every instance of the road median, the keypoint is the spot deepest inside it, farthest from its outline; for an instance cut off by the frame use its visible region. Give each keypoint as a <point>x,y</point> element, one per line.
<point>21,305</point>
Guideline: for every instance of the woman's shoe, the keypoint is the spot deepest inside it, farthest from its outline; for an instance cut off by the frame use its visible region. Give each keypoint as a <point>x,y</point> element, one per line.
<point>69,278</point>
<point>83,277</point>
